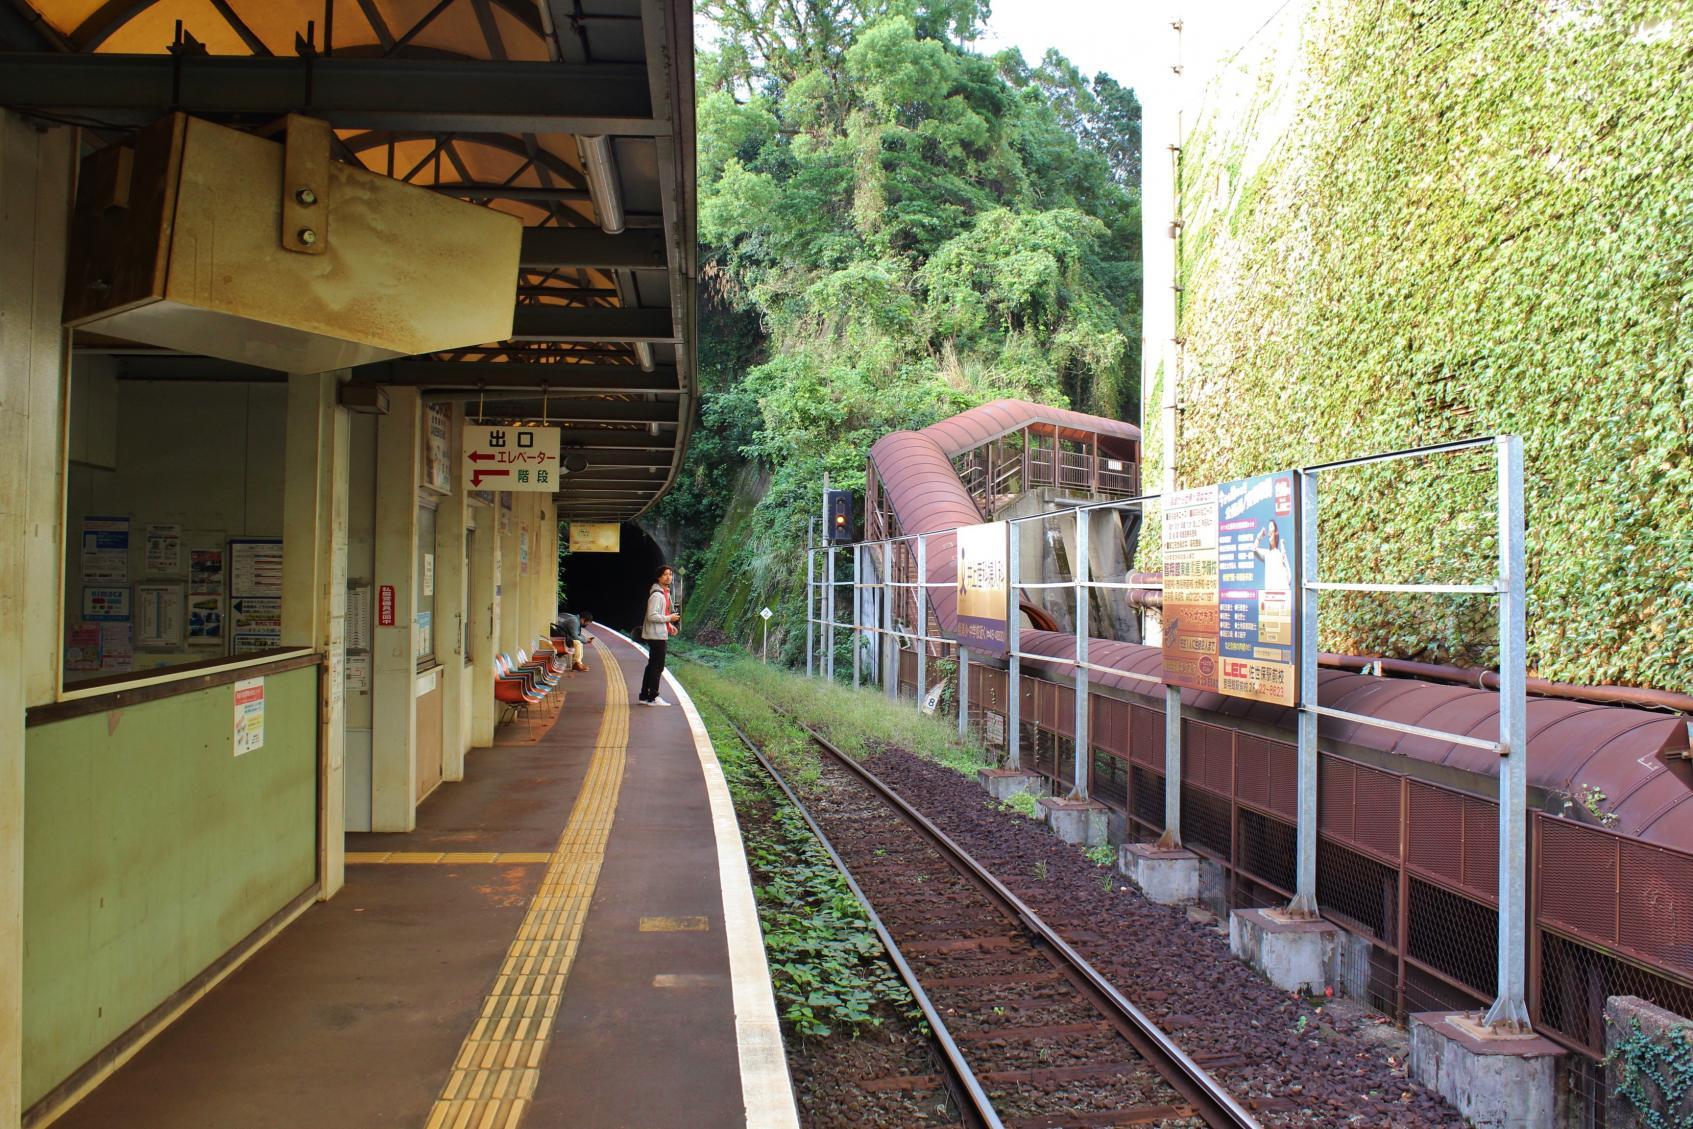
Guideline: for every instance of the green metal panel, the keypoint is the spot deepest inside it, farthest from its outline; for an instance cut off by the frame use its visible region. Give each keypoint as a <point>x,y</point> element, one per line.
<point>150,850</point>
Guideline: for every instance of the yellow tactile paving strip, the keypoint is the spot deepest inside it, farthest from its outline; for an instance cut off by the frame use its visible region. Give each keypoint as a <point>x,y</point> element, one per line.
<point>447,858</point>
<point>497,1068</point>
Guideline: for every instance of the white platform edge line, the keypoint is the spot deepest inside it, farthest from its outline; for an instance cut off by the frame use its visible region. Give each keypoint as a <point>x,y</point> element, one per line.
<point>766,1088</point>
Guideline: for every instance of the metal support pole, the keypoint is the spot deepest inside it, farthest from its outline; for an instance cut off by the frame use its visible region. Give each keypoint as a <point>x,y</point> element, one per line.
<point>1171,840</point>
<point>890,642</point>
<point>1013,664</point>
<point>922,619</point>
<point>834,605</point>
<point>1510,1009</point>
<point>963,692</point>
<point>857,615</point>
<point>1081,573</point>
<point>810,599</point>
<point>1305,834</point>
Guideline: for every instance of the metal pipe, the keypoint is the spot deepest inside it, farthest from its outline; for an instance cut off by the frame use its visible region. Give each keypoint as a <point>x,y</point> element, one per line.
<point>644,355</point>
<point>604,185</point>
<point>857,615</point>
<point>890,644</point>
<point>922,619</point>
<point>1638,696</point>
<point>810,596</point>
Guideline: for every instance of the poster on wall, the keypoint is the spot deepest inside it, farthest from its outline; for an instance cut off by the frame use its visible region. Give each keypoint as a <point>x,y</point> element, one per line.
<point>438,448</point>
<point>205,569</point>
<point>255,566</point>
<point>1257,583</point>
<point>105,549</point>
<point>596,537</point>
<point>429,574</point>
<point>984,595</point>
<point>1190,588</point>
<point>523,550</point>
<point>205,620</point>
<point>104,604</point>
<point>255,593</point>
<point>117,652</point>
<point>163,556</point>
<point>82,648</point>
<point>249,715</point>
<point>256,623</point>
<point>159,615</point>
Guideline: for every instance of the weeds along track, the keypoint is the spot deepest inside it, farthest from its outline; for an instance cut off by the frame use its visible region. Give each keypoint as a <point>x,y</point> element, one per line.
<point>1032,1036</point>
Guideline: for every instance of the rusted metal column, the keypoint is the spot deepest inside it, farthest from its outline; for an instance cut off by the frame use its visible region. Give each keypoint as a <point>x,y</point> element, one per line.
<point>1305,834</point>
<point>1013,664</point>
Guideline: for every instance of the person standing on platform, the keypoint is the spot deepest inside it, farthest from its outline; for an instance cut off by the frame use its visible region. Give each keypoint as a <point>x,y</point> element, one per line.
<point>656,630</point>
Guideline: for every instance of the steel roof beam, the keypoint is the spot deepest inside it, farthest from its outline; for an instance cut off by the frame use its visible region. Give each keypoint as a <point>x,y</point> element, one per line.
<point>457,96</point>
<point>524,376</point>
<point>565,248</point>
<point>601,323</point>
<point>569,413</point>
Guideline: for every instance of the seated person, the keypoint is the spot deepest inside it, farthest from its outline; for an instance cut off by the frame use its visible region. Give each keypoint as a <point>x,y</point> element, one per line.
<point>572,629</point>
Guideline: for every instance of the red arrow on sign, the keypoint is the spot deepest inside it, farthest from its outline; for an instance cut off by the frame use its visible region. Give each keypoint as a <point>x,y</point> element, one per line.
<point>477,475</point>
<point>481,457</point>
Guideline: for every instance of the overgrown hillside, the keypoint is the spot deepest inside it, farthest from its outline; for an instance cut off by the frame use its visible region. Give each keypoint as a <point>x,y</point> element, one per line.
<point>895,228</point>
<point>1440,220</point>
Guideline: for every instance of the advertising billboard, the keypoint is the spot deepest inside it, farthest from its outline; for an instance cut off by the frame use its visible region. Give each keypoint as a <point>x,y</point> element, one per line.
<point>984,593</point>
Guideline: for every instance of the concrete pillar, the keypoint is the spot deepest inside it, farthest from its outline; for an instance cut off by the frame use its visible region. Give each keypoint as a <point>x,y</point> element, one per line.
<point>484,619</point>
<point>393,738</point>
<point>35,192</point>
<point>451,611</point>
<point>314,587</point>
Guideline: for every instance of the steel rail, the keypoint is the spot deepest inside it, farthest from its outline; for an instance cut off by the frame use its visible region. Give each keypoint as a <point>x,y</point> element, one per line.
<point>967,1092</point>
<point>1209,1099</point>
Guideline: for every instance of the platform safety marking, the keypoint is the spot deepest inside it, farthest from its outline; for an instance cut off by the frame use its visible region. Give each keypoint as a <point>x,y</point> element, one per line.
<point>499,1064</point>
<point>447,858</point>
<point>675,925</point>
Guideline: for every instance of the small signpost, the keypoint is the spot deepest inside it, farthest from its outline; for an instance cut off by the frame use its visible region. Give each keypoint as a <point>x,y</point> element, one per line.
<point>511,457</point>
<point>765,615</point>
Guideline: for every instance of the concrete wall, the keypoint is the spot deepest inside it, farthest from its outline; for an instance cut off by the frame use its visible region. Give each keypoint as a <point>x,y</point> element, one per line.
<point>152,851</point>
<point>205,455</point>
<point>35,193</point>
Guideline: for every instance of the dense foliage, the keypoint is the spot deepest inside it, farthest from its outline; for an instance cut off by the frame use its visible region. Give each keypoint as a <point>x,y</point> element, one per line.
<point>894,228</point>
<point>1442,220</point>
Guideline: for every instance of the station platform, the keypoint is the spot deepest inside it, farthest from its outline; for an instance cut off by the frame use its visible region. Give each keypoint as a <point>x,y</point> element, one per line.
<point>568,938</point>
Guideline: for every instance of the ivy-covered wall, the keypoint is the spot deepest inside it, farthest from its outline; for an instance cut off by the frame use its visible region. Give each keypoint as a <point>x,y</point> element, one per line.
<point>1409,222</point>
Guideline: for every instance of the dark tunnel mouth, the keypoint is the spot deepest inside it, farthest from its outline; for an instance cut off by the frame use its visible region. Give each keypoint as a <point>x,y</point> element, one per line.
<point>613,586</point>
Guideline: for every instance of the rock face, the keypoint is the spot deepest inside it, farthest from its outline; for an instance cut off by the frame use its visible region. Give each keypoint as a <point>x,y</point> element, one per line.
<point>1642,1039</point>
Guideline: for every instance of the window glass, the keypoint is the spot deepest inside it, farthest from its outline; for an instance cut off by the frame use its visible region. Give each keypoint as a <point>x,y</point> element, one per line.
<point>425,583</point>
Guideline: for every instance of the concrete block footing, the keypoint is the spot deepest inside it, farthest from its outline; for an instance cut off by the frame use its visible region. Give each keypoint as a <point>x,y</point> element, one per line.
<point>1497,1082</point>
<point>1295,954</point>
<point>1003,783</point>
<point>1168,877</point>
<point>1082,823</point>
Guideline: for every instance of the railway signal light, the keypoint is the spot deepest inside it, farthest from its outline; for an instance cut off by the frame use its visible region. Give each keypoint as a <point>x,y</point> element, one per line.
<point>837,504</point>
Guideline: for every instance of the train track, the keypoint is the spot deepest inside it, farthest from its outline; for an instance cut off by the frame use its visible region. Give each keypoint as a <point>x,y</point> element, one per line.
<point>1031,1036</point>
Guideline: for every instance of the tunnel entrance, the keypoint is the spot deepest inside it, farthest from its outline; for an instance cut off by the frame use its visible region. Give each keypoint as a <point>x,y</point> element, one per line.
<point>613,586</point>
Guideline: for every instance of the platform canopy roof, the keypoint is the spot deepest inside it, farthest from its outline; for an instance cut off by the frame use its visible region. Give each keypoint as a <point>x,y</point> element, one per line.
<point>575,115</point>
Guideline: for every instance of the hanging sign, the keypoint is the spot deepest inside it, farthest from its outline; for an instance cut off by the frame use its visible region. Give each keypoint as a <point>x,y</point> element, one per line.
<point>510,457</point>
<point>984,594</point>
<point>596,537</point>
<point>1256,588</point>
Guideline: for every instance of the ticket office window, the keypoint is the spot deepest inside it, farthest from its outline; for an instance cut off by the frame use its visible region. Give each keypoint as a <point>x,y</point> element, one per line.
<point>173,522</point>
<point>425,584</point>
